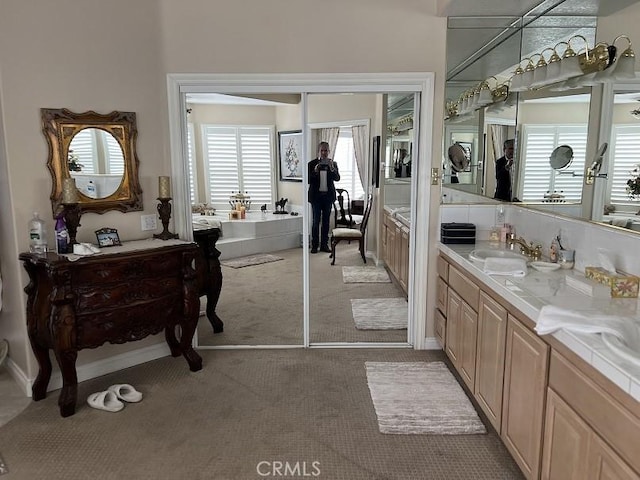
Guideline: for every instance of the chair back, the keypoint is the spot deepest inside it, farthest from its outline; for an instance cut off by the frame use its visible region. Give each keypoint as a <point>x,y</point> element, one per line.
<point>367,212</point>
<point>341,215</point>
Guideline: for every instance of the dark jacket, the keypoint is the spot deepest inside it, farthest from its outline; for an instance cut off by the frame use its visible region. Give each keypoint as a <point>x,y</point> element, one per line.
<point>503,180</point>
<point>314,181</point>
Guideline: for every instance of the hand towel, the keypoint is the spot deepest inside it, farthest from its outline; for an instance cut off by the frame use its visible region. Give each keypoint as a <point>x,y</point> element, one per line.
<point>552,318</point>
<point>515,267</point>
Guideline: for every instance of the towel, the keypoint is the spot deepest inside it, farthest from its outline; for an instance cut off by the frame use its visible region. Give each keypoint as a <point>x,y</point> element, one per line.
<point>515,267</point>
<point>552,318</point>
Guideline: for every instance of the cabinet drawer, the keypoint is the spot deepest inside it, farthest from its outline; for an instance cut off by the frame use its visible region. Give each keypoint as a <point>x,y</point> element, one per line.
<point>440,328</point>
<point>443,269</point>
<point>597,408</point>
<point>464,286</point>
<point>113,270</point>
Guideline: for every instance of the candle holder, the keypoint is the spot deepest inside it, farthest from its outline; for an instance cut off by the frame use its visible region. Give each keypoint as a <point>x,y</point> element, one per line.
<point>72,214</point>
<point>164,210</point>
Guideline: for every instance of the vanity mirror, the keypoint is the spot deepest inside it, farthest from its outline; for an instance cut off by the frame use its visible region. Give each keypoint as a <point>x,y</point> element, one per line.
<point>99,153</point>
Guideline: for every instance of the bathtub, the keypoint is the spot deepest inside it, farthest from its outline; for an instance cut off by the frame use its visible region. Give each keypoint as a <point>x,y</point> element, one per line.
<point>258,232</point>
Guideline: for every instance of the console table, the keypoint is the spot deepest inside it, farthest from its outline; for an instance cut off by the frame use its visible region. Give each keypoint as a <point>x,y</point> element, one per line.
<point>110,297</point>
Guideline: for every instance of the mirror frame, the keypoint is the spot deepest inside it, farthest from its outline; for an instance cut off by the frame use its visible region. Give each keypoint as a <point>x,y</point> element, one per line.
<point>60,126</point>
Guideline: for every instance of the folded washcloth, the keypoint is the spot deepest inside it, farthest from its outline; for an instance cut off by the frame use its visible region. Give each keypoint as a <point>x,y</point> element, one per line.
<point>621,222</point>
<point>553,318</point>
<point>515,267</point>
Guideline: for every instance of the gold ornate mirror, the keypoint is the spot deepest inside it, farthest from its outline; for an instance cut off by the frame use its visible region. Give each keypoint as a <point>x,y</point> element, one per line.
<point>99,153</point>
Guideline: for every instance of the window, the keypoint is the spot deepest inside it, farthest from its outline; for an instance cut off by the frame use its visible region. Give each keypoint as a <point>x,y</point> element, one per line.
<point>538,178</point>
<point>347,165</point>
<point>238,159</point>
<point>624,155</point>
<point>191,155</point>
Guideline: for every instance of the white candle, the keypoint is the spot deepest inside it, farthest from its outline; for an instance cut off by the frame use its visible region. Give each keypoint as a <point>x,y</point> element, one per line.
<point>69,191</point>
<point>164,187</point>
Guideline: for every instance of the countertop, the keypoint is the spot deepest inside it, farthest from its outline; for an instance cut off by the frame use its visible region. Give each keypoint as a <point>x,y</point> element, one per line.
<point>530,293</point>
<point>400,212</point>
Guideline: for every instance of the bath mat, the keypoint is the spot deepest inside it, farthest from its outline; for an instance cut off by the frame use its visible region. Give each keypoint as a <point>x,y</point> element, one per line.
<point>420,398</point>
<point>365,275</point>
<point>380,313</point>
<point>3,467</point>
<point>249,260</point>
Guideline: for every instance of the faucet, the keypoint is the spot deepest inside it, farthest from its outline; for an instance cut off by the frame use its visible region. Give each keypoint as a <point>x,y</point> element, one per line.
<point>530,250</point>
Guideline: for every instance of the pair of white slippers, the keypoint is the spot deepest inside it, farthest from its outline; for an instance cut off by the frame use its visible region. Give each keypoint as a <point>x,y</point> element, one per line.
<point>112,399</point>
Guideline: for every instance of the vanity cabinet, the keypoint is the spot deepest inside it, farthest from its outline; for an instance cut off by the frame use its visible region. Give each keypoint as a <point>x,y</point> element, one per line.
<point>558,417</point>
<point>525,380</point>
<point>586,428</point>
<point>396,249</point>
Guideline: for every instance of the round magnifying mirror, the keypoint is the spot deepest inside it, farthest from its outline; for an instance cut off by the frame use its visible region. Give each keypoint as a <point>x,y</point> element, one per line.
<point>458,157</point>
<point>96,162</point>
<point>561,157</point>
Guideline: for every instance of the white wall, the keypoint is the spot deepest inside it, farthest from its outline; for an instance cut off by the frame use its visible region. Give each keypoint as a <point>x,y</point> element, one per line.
<point>91,54</point>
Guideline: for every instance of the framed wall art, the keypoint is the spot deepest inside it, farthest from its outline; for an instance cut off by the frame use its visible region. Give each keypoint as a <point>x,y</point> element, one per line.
<point>290,155</point>
<point>108,237</point>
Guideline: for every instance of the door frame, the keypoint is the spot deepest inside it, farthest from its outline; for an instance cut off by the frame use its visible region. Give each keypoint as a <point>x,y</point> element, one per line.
<point>179,84</point>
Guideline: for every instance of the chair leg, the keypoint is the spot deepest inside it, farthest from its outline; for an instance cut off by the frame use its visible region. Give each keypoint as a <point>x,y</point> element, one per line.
<point>333,251</point>
<point>362,250</point>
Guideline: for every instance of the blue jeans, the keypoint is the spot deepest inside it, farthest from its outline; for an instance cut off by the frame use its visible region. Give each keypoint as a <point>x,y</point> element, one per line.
<point>321,210</point>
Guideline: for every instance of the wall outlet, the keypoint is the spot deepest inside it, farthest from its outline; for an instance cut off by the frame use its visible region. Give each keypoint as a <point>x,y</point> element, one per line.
<point>149,222</point>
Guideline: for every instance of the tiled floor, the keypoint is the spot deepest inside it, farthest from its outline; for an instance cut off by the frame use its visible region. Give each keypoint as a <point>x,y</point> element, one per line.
<point>12,399</point>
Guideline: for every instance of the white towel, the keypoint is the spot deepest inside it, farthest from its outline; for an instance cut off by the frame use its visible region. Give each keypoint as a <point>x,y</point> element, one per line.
<point>621,222</point>
<point>552,318</point>
<point>515,267</point>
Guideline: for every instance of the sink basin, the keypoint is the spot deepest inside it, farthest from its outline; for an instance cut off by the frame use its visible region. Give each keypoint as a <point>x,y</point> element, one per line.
<point>479,255</point>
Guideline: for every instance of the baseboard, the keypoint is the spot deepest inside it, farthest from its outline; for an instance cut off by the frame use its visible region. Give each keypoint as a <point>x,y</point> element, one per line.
<point>431,343</point>
<point>94,369</point>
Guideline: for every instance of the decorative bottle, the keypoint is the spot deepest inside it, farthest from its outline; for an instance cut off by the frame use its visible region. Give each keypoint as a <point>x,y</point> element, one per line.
<point>37,235</point>
<point>91,190</point>
<point>62,235</point>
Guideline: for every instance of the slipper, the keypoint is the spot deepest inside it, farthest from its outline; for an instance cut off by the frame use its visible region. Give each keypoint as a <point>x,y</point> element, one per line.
<point>106,400</point>
<point>126,392</point>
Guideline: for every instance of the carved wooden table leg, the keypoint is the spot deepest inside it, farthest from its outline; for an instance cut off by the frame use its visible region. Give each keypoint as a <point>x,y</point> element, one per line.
<point>39,388</point>
<point>170,337</point>
<point>68,394</point>
<point>209,273</point>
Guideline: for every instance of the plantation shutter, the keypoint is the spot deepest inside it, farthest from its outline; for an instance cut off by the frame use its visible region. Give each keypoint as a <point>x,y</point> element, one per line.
<point>238,159</point>
<point>191,164</point>
<point>84,146</point>
<point>624,155</point>
<point>115,159</point>
<point>539,179</point>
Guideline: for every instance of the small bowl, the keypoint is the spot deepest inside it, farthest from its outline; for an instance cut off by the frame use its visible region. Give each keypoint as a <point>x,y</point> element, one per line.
<point>545,266</point>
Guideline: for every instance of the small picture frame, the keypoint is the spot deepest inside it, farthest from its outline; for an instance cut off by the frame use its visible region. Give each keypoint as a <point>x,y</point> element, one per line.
<point>108,237</point>
<point>290,154</point>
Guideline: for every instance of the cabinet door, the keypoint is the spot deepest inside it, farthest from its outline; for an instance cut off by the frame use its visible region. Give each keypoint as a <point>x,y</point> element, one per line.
<point>440,328</point>
<point>492,331</point>
<point>523,401</point>
<point>566,442</point>
<point>441,296</point>
<point>468,335</point>
<point>605,464</point>
<point>454,310</point>
<point>404,258</point>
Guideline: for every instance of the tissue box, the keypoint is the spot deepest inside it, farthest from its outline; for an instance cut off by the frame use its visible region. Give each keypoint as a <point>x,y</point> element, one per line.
<point>623,285</point>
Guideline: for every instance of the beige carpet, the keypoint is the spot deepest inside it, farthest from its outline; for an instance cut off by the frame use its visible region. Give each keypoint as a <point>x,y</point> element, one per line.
<point>380,313</point>
<point>351,274</point>
<point>249,260</point>
<point>420,398</point>
<point>244,407</point>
